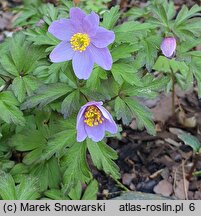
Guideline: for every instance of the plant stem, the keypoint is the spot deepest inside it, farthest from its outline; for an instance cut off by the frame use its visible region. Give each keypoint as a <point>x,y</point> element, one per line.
<point>6,85</point>
<point>3,78</point>
<point>121,185</point>
<point>113,98</point>
<point>195,161</point>
<point>185,188</point>
<point>85,97</point>
<point>173,94</point>
<point>2,88</point>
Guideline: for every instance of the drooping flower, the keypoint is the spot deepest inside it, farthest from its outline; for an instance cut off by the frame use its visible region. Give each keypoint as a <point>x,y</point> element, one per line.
<point>83,41</point>
<point>93,120</point>
<point>168,46</point>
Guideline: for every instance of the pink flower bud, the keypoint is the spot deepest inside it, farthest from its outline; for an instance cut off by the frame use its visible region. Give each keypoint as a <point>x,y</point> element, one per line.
<point>168,46</point>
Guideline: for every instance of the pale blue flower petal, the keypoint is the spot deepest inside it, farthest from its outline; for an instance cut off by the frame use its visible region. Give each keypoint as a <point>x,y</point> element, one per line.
<point>101,56</point>
<point>102,38</point>
<point>96,133</point>
<point>62,29</point>
<point>62,52</point>
<point>83,64</point>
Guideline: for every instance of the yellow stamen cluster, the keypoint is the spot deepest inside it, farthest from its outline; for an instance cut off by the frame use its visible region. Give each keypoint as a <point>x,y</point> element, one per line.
<point>93,116</point>
<point>80,41</point>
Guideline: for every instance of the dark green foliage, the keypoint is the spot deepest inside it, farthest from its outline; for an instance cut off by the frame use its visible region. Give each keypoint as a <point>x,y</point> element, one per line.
<point>26,190</point>
<point>9,106</point>
<point>102,156</point>
<point>76,167</point>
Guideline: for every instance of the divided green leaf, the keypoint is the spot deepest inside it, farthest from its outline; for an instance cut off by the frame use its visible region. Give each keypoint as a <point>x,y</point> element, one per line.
<point>102,156</point>
<point>76,167</point>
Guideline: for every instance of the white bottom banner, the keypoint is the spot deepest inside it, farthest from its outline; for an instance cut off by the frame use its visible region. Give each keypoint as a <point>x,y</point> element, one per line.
<point>101,207</point>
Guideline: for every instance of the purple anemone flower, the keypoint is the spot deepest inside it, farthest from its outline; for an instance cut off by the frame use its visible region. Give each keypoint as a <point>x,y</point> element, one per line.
<point>93,120</point>
<point>168,46</point>
<point>83,41</point>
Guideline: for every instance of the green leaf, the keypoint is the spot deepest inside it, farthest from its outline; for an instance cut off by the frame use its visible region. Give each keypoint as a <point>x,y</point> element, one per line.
<point>41,37</point>
<point>133,26</point>
<point>31,84</point>
<point>46,94</point>
<point>122,111</point>
<point>187,23</point>
<point>70,103</point>
<point>58,142</point>
<point>133,31</point>
<point>148,87</point>
<point>180,69</point>
<point>29,140</point>
<point>94,94</point>
<point>162,64</point>
<point>21,57</point>
<point>170,9</point>
<point>48,172</point>
<point>17,48</point>
<point>95,80</point>
<point>6,165</point>
<point>143,115</point>
<point>19,168</point>
<point>125,72</point>
<point>149,50</point>
<point>191,141</point>
<point>9,111</point>
<point>33,11</point>
<point>91,191</point>
<point>76,167</point>
<point>110,17</point>
<point>159,12</point>
<point>195,67</point>
<point>187,46</point>
<point>50,12</point>
<point>102,156</point>
<point>8,65</point>
<point>96,6</point>
<point>55,194</point>
<point>179,66</point>
<point>54,73</point>
<point>34,156</point>
<point>185,81</point>
<point>197,173</point>
<point>19,89</point>
<point>76,192</point>
<point>124,50</point>
<point>26,15</point>
<point>135,12</point>
<point>7,187</point>
<point>185,14</point>
<point>26,190</point>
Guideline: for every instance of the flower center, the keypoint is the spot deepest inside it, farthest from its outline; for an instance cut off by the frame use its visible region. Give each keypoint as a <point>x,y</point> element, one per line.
<point>80,41</point>
<point>93,116</point>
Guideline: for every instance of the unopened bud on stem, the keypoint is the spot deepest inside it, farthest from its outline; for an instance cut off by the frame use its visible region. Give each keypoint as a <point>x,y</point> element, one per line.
<point>168,46</point>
